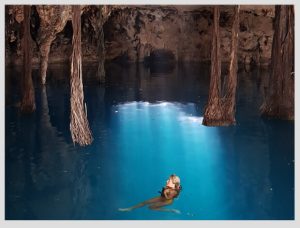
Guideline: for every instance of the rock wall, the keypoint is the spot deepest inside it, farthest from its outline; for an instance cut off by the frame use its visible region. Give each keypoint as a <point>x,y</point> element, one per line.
<point>137,33</point>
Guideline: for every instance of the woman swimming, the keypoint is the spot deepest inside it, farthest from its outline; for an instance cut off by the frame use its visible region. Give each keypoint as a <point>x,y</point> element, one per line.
<point>168,193</point>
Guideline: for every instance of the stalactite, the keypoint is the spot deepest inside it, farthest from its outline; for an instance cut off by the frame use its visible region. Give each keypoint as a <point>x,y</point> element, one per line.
<point>79,126</point>
<point>44,57</point>
<point>28,98</point>
<point>53,20</point>
<point>279,96</point>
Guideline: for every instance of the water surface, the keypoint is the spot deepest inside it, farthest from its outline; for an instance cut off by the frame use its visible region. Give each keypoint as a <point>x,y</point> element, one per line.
<point>146,124</point>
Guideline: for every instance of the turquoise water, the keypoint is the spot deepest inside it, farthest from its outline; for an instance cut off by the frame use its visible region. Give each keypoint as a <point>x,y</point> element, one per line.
<point>146,125</point>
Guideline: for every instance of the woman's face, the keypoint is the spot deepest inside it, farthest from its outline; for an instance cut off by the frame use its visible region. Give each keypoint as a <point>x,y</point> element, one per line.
<point>170,183</point>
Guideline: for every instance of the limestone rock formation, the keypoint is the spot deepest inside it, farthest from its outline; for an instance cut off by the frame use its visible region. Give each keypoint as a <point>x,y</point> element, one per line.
<point>133,33</point>
<point>52,21</point>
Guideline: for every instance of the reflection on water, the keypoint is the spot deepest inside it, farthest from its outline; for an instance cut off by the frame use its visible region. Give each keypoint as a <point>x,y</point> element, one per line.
<point>146,125</point>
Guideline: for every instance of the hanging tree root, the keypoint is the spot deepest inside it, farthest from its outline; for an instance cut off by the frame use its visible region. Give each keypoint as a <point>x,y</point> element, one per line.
<point>28,98</point>
<point>213,109</point>
<point>220,111</point>
<point>101,56</point>
<point>279,98</point>
<point>79,126</point>
<point>229,100</point>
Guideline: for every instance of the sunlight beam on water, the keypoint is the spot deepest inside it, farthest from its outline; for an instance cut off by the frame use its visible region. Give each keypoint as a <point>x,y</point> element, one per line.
<point>155,140</point>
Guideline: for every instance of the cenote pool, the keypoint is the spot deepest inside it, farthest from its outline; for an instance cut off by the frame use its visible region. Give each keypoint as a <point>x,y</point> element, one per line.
<point>146,124</point>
